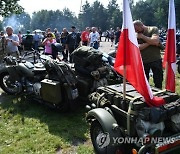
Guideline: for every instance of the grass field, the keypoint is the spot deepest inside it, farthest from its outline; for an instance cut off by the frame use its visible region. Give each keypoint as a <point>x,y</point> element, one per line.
<point>28,127</point>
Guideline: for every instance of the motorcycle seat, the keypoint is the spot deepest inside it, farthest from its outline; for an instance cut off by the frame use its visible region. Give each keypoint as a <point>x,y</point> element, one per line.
<point>39,67</point>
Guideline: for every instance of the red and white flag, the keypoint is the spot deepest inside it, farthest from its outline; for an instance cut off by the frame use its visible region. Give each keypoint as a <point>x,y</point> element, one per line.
<point>170,51</point>
<point>128,56</point>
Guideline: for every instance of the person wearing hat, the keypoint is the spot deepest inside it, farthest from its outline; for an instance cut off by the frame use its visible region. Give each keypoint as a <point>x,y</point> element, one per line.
<point>72,41</point>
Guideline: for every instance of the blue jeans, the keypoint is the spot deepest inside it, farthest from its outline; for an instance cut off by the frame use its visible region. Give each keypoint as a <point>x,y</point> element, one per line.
<point>95,45</point>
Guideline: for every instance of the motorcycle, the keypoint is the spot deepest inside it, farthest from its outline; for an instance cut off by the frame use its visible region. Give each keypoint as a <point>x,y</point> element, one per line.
<point>58,84</point>
<point>46,81</point>
<point>93,69</point>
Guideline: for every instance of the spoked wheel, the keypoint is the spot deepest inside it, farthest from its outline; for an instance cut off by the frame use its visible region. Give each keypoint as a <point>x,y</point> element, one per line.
<point>7,86</point>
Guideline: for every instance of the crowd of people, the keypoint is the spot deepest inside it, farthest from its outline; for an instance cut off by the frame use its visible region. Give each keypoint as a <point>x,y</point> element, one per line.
<point>147,36</point>
<point>14,44</point>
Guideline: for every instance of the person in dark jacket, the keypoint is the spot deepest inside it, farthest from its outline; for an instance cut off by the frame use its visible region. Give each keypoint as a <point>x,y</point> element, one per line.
<point>72,41</point>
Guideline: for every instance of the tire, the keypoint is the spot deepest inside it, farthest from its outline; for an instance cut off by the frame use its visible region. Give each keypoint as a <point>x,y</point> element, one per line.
<point>95,130</point>
<point>8,87</point>
<point>104,147</point>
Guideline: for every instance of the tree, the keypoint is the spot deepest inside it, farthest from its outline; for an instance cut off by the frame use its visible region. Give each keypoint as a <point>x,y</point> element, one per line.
<point>99,16</point>
<point>144,11</point>
<point>84,16</point>
<point>53,19</point>
<point>8,7</point>
<point>19,22</point>
<point>114,15</point>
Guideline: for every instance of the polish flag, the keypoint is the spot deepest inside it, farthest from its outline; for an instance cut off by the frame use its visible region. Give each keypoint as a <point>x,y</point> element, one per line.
<point>170,51</point>
<point>128,59</point>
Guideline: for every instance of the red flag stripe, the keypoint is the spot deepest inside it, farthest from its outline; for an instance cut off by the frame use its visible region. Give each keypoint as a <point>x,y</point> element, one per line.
<point>135,71</point>
<point>169,61</point>
<point>128,56</point>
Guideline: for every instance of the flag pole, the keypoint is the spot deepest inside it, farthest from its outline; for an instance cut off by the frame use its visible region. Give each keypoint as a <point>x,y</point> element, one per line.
<point>124,83</point>
<point>125,51</point>
<point>166,73</point>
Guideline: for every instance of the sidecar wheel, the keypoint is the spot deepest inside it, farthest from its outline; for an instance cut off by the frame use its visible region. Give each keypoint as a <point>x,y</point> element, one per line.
<point>95,131</point>
<point>6,86</point>
<point>101,140</point>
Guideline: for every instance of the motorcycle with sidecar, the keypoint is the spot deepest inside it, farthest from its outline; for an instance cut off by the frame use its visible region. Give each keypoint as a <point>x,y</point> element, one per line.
<point>126,126</point>
<point>58,84</point>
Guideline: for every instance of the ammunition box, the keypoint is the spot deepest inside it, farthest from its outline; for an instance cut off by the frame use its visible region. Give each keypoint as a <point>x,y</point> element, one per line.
<point>51,91</point>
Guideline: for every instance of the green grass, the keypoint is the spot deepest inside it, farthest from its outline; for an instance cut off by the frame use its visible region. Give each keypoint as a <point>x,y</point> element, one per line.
<point>34,128</point>
<point>177,83</point>
<point>27,128</point>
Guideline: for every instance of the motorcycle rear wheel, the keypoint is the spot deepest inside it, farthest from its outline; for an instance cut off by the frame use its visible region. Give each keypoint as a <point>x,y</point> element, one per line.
<point>7,86</point>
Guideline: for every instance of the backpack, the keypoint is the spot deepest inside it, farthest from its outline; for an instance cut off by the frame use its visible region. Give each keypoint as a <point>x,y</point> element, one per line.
<point>86,56</point>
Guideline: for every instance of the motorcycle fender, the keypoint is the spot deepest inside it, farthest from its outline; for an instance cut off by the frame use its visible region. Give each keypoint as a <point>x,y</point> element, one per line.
<point>108,123</point>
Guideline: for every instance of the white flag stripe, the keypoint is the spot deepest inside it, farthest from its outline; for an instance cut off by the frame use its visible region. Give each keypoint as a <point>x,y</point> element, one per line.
<point>172,25</point>
<point>171,18</point>
<point>128,22</point>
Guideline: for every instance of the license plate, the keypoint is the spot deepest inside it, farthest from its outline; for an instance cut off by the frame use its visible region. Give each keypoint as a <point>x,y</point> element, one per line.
<point>169,143</point>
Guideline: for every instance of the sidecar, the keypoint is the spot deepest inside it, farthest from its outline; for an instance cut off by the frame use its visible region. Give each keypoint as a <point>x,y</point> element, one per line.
<point>130,126</point>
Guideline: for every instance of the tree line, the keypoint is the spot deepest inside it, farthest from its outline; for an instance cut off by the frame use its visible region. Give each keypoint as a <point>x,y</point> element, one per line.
<point>150,12</point>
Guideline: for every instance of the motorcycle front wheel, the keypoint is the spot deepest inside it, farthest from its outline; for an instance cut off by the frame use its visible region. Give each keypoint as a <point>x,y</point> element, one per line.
<point>7,86</point>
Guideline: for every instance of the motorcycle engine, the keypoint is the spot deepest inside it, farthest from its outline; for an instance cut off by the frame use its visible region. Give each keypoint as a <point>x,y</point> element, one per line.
<point>33,87</point>
<point>37,87</point>
<point>145,127</point>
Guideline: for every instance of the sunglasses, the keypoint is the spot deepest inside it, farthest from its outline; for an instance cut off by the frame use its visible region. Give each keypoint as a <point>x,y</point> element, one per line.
<point>49,35</point>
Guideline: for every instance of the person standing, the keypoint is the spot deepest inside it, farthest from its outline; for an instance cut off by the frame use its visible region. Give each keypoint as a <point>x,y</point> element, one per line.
<point>63,37</point>
<point>36,40</point>
<point>94,38</point>
<point>85,37</point>
<point>20,47</point>
<point>117,35</point>
<point>12,42</point>
<point>48,46</point>
<point>72,41</point>
<point>2,45</point>
<point>149,45</point>
<point>57,35</point>
<point>112,36</point>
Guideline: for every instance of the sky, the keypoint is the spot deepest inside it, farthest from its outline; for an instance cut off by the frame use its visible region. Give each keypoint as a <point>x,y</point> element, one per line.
<point>31,6</point>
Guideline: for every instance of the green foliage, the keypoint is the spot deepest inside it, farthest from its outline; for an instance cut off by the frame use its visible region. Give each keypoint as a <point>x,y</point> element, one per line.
<point>151,12</point>
<point>8,7</point>
<point>53,19</point>
<point>114,14</point>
